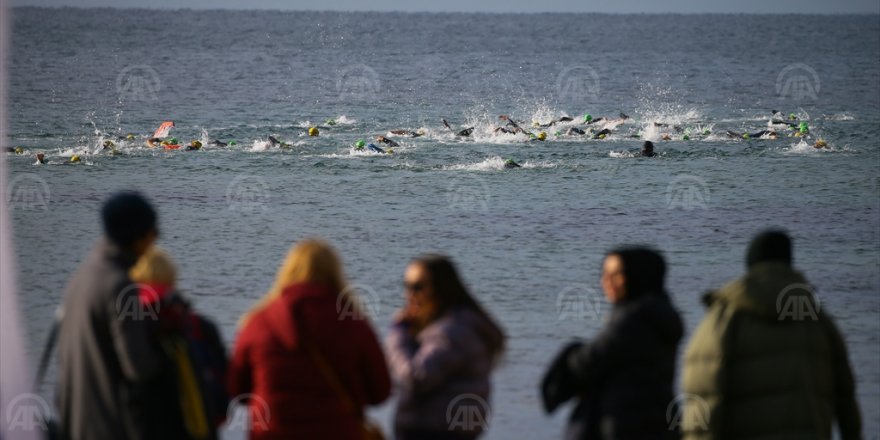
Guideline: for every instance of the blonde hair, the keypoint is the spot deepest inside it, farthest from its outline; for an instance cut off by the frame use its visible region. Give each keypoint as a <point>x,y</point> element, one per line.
<point>310,261</point>
<point>154,266</point>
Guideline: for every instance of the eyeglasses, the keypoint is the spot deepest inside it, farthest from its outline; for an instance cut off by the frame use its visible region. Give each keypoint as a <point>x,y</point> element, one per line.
<point>414,287</point>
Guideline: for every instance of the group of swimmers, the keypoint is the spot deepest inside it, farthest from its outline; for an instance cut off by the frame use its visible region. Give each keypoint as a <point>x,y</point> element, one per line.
<point>588,127</point>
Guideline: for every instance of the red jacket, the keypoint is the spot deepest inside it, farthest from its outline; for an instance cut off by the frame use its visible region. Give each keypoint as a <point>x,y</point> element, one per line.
<point>271,364</point>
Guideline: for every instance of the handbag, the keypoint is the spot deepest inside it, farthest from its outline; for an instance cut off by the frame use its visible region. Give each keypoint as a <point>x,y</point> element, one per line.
<point>370,430</point>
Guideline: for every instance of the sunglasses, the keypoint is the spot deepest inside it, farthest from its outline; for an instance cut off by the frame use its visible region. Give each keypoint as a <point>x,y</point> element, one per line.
<point>414,287</point>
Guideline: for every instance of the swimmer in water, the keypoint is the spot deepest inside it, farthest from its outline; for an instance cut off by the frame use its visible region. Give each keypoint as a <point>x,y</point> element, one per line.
<point>217,143</point>
<point>413,134</point>
<point>647,149</point>
<point>41,159</point>
<point>194,145</point>
<point>463,133</point>
<point>553,122</point>
<point>509,163</point>
<point>734,135</point>
<point>375,149</point>
<point>273,141</point>
<point>387,141</point>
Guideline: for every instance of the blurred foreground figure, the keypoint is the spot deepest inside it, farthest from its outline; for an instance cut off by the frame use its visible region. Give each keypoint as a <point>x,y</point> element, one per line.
<point>766,362</point>
<point>104,348</point>
<point>623,378</point>
<point>307,361</point>
<point>442,348</point>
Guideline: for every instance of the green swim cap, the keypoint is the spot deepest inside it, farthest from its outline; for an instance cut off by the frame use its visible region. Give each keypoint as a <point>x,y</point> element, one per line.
<point>745,135</point>
<point>588,117</point>
<point>686,138</point>
<point>706,132</point>
<point>558,133</point>
<point>792,116</point>
<point>803,127</point>
<point>360,143</point>
<point>231,143</point>
<point>172,141</point>
<point>330,122</point>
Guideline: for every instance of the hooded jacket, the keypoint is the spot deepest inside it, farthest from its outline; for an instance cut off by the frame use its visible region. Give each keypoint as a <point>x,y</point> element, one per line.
<point>105,354</point>
<point>288,395</point>
<point>443,373</point>
<point>766,363</point>
<point>624,376</point>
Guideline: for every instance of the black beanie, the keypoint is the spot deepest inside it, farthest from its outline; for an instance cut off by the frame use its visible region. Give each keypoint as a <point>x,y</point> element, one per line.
<point>772,245</point>
<point>127,217</point>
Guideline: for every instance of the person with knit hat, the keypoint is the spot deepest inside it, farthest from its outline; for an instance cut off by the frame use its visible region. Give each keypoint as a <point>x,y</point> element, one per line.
<point>766,361</point>
<point>104,348</point>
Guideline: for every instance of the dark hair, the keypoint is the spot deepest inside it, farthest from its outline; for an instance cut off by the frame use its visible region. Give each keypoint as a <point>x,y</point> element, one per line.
<point>127,217</point>
<point>644,271</point>
<point>648,146</point>
<point>450,293</point>
<point>770,245</point>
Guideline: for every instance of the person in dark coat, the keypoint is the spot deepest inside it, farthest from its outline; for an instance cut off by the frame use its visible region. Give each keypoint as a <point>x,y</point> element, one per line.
<point>104,350</point>
<point>623,378</point>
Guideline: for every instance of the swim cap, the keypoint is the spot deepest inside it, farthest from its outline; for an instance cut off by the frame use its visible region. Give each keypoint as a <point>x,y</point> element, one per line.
<point>706,132</point>
<point>602,136</point>
<point>231,143</point>
<point>75,159</point>
<point>313,131</point>
<point>172,141</point>
<point>108,144</point>
<point>792,116</point>
<point>558,132</point>
<point>745,135</point>
<point>196,144</point>
<point>685,138</point>
<point>821,143</point>
<point>129,137</point>
<point>588,117</point>
<point>19,150</point>
<point>542,135</point>
<point>803,128</point>
<point>360,143</point>
<point>330,122</point>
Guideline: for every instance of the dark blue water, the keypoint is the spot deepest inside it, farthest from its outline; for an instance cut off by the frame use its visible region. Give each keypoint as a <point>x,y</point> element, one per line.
<point>525,239</point>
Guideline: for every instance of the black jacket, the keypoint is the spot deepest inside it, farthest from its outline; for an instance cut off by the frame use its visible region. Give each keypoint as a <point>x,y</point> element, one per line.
<point>624,377</point>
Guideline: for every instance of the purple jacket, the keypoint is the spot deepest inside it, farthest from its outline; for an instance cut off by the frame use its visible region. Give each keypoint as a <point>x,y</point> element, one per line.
<point>443,373</point>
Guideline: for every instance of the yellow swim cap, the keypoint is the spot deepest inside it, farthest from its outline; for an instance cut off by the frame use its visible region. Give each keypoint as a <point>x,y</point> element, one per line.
<point>196,144</point>
<point>75,159</point>
<point>313,131</point>
<point>542,135</point>
<point>602,136</point>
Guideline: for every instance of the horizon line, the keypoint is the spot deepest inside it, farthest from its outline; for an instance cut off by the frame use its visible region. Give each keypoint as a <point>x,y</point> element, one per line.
<point>153,8</point>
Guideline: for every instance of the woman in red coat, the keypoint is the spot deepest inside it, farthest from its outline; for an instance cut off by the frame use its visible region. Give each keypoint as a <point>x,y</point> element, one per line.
<point>304,321</point>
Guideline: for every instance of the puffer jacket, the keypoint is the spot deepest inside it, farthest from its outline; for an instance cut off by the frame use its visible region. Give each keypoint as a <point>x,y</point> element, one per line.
<point>443,373</point>
<point>767,363</point>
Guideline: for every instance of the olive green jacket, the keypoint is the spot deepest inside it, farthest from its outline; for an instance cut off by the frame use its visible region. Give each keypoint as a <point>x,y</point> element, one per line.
<point>766,363</point>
